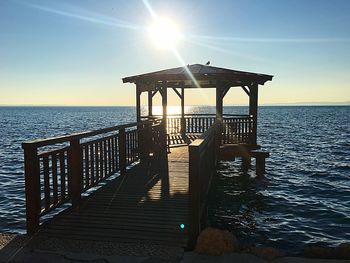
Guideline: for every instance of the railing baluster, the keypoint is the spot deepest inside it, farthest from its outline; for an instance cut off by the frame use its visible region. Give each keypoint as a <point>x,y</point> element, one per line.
<point>87,174</point>
<point>113,154</point>
<point>109,156</point>
<point>105,158</point>
<point>122,151</point>
<point>116,151</point>
<point>46,182</point>
<point>54,179</point>
<point>101,161</point>
<point>97,163</point>
<point>63,175</point>
<point>93,164</point>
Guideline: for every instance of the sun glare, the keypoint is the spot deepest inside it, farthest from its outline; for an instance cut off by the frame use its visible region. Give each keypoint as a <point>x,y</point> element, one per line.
<point>165,33</point>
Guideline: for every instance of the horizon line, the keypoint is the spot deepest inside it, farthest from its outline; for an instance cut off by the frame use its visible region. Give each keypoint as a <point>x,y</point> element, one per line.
<point>345,103</point>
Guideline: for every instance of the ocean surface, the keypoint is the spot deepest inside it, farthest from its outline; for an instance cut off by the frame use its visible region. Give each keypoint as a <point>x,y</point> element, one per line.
<point>304,198</point>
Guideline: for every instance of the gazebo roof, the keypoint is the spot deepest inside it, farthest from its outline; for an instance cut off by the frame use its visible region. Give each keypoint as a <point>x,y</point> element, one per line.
<point>206,76</point>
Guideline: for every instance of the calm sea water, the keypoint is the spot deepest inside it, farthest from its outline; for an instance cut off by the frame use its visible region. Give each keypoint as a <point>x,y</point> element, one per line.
<point>304,199</point>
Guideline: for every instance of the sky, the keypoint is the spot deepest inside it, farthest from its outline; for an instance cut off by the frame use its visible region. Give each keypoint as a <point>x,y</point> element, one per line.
<point>76,52</point>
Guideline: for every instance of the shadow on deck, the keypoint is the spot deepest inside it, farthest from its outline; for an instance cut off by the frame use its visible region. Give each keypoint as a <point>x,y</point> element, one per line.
<point>144,205</point>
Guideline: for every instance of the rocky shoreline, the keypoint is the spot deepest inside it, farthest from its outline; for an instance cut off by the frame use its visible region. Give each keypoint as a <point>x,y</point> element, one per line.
<point>213,246</point>
<point>215,242</point>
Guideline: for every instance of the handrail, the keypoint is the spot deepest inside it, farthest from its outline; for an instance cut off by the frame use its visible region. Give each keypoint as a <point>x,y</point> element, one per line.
<point>78,135</point>
<point>58,176</point>
<point>202,161</point>
<point>196,114</point>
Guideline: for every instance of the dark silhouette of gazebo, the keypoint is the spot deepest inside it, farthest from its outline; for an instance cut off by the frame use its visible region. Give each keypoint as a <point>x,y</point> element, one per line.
<point>198,76</point>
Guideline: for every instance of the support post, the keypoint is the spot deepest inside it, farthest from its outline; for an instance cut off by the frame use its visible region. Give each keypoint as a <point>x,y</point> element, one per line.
<point>150,103</point>
<point>144,140</point>
<point>138,102</point>
<point>260,166</point>
<point>183,121</point>
<point>75,165</point>
<point>253,111</point>
<point>219,112</point>
<point>164,102</point>
<point>246,161</point>
<point>122,151</point>
<point>32,188</point>
<point>194,206</point>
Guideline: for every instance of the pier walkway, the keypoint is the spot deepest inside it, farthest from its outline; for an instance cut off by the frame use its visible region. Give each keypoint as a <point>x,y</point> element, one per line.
<point>144,205</point>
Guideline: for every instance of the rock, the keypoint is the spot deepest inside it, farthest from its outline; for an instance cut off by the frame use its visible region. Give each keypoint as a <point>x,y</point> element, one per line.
<point>268,253</point>
<point>343,251</point>
<point>213,241</point>
<point>318,252</point>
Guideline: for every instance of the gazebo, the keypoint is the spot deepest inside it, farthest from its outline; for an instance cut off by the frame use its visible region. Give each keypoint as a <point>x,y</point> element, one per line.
<point>198,76</point>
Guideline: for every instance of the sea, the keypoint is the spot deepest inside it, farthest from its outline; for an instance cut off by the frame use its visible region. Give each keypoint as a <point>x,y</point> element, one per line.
<point>303,199</point>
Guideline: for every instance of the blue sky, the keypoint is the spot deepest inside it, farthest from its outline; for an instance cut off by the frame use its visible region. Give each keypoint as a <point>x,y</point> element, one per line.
<point>76,52</point>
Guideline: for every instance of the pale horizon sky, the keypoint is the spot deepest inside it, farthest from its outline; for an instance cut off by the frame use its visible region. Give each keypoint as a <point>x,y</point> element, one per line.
<point>76,52</point>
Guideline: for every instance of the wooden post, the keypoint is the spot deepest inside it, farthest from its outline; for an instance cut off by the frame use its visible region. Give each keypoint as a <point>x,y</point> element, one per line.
<point>219,112</point>
<point>150,103</point>
<point>164,94</point>
<point>260,166</point>
<point>122,151</point>
<point>75,166</point>
<point>32,188</point>
<point>253,111</point>
<point>144,141</point>
<point>246,161</point>
<point>194,206</point>
<point>138,102</point>
<point>183,121</point>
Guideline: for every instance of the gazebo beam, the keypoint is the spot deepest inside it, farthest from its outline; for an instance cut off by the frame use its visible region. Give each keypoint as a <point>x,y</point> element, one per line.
<point>246,90</point>
<point>138,103</point>
<point>164,94</point>
<point>219,101</point>
<point>225,91</point>
<point>253,110</point>
<point>177,92</point>
<point>183,121</point>
<point>150,103</point>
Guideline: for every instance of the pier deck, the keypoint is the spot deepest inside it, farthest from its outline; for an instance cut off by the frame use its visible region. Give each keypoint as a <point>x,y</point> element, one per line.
<point>145,205</point>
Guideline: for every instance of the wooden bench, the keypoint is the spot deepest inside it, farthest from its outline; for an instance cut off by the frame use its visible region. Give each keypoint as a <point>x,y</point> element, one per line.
<point>260,157</point>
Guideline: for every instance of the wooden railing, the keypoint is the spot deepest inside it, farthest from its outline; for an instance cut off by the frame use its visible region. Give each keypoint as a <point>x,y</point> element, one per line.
<point>202,162</point>
<point>58,170</point>
<point>236,128</point>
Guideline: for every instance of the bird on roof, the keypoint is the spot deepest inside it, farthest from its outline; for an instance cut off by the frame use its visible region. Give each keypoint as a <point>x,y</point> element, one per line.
<point>208,63</point>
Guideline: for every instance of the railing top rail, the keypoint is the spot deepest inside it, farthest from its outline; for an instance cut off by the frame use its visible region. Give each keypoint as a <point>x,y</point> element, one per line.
<point>205,137</point>
<point>78,135</point>
<point>198,114</point>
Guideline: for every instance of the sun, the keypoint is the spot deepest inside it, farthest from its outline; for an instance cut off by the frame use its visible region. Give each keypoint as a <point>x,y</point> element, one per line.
<point>164,33</point>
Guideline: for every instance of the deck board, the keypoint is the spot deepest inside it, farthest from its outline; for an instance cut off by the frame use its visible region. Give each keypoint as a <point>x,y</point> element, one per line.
<point>144,205</point>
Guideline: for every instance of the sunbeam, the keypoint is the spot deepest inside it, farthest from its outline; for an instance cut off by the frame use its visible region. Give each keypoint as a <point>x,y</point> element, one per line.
<point>93,19</point>
<point>272,40</point>
<point>223,50</point>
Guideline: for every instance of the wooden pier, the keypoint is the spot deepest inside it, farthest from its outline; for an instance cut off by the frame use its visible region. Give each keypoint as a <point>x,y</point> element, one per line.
<point>129,183</point>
